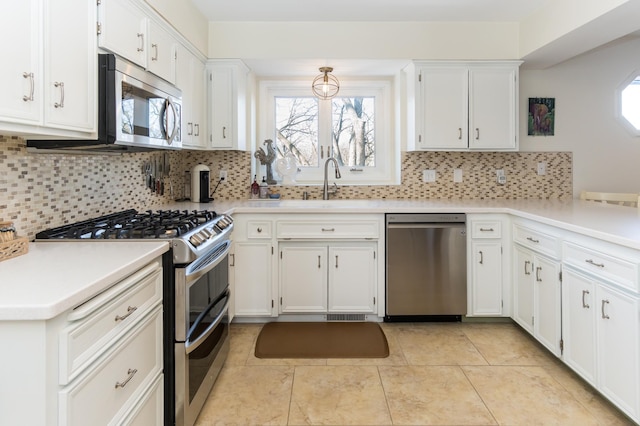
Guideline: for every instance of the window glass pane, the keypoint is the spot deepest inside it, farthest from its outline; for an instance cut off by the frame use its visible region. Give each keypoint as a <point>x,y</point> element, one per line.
<point>297,129</point>
<point>631,103</point>
<point>354,131</point>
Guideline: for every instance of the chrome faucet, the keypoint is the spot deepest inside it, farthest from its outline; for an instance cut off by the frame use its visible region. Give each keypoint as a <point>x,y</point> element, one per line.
<point>325,190</point>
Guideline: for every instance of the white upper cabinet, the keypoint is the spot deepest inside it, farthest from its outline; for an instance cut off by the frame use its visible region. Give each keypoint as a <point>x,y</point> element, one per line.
<point>22,75</point>
<point>123,30</point>
<point>49,85</point>
<point>229,105</point>
<point>190,79</point>
<point>462,106</point>
<point>161,48</point>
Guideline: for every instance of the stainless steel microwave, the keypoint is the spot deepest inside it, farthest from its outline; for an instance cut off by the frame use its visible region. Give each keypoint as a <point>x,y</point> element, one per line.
<point>136,111</point>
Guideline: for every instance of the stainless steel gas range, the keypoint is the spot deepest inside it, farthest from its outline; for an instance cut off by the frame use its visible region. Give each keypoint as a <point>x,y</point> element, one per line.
<point>196,294</point>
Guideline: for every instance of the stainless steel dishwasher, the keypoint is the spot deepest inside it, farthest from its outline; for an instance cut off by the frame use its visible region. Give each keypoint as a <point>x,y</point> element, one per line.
<point>426,267</point>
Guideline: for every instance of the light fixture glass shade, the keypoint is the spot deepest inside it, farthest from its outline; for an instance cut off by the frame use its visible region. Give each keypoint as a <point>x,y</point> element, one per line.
<point>325,86</point>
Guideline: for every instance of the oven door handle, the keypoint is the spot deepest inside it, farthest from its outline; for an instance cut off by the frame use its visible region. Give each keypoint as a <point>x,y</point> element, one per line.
<point>207,265</point>
<point>192,346</point>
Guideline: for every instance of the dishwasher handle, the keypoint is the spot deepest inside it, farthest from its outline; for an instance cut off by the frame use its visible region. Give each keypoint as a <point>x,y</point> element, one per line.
<point>425,225</point>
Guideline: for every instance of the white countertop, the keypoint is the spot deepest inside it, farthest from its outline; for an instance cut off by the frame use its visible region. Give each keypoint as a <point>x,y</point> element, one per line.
<point>55,276</point>
<point>616,224</point>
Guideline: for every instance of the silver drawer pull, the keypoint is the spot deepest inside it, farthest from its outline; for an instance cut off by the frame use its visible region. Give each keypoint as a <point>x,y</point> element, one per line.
<point>584,304</point>
<point>155,55</point>
<point>591,262</point>
<point>533,240</point>
<point>538,269</point>
<point>604,316</point>
<point>61,86</point>
<point>29,75</point>
<point>486,229</point>
<point>526,272</point>
<point>259,230</point>
<point>481,257</point>
<point>336,260</point>
<point>355,169</point>
<point>141,37</point>
<point>130,310</point>
<point>319,265</point>
<point>328,229</point>
<point>131,372</point>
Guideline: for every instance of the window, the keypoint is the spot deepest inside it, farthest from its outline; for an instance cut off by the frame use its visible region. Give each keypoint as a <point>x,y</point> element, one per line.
<point>628,102</point>
<point>354,128</point>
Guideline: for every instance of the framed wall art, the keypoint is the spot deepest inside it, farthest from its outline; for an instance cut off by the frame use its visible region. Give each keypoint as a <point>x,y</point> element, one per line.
<point>542,113</point>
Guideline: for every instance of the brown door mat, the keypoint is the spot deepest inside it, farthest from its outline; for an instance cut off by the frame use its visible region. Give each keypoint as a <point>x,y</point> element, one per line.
<point>321,340</point>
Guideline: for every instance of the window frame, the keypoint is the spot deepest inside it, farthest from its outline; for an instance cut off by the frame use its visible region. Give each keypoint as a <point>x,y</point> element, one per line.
<point>387,151</point>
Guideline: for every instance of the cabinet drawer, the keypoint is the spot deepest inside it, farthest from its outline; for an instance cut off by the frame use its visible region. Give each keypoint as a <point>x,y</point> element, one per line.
<point>127,370</point>
<point>364,229</point>
<point>148,409</point>
<point>537,241</point>
<point>86,339</point>
<point>621,271</point>
<point>486,229</point>
<point>259,229</point>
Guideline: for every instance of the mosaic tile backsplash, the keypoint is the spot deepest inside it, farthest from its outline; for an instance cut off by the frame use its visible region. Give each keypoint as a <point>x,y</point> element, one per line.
<point>40,191</point>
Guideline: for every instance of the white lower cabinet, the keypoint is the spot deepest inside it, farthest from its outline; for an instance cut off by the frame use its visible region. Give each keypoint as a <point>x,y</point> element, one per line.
<point>321,277</point>
<point>537,285</point>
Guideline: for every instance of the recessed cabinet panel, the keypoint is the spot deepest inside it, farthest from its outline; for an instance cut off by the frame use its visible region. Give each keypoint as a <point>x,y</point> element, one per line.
<point>161,53</point>
<point>303,278</point>
<point>487,278</point>
<point>352,271</point>
<point>123,30</point>
<point>252,278</point>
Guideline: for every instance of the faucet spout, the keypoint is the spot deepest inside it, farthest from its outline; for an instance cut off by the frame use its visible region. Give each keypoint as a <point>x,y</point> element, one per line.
<point>325,190</point>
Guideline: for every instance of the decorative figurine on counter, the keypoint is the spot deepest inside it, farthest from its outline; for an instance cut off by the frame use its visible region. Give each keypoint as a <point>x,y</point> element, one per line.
<point>266,159</point>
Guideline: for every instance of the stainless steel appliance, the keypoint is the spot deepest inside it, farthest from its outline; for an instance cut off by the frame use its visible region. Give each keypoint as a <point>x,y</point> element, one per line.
<point>426,272</point>
<point>196,294</point>
<point>136,111</point>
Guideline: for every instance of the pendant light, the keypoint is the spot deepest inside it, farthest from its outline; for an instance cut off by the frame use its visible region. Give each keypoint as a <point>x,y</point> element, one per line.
<point>325,86</point>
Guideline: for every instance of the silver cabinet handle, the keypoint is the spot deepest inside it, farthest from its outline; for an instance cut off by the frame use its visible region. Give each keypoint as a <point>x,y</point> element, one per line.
<point>584,304</point>
<point>155,50</point>
<point>224,132</point>
<point>61,86</point>
<point>459,133</point>
<point>130,310</point>
<point>29,75</point>
<point>190,131</point>
<point>319,265</point>
<point>141,37</point>
<point>526,272</point>
<point>591,262</point>
<point>259,230</point>
<point>131,372</point>
<point>481,257</point>
<point>604,302</point>
<point>328,229</point>
<point>538,269</point>
<point>477,134</point>
<point>533,240</point>
<point>336,260</point>
<point>486,229</point>
<point>233,259</point>
<point>197,130</point>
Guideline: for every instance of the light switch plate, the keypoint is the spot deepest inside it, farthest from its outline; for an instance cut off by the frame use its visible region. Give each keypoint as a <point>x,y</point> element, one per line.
<point>457,175</point>
<point>429,175</point>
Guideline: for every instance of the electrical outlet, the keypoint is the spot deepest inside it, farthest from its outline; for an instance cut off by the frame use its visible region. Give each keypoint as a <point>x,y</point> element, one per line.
<point>429,175</point>
<point>500,177</point>
<point>542,168</point>
<point>223,175</point>
<point>457,175</point>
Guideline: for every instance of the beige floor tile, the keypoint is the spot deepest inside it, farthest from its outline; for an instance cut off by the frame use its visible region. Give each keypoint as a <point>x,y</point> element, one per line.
<point>507,344</point>
<point>338,395</point>
<point>437,344</point>
<point>249,396</point>
<point>526,396</point>
<point>584,393</point>
<point>432,395</point>
<point>241,342</point>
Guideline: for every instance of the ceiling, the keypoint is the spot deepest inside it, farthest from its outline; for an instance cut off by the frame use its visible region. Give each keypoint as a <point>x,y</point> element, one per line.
<point>368,10</point>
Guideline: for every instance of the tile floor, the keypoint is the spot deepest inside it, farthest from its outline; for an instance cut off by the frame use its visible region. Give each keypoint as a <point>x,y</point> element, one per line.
<point>436,374</point>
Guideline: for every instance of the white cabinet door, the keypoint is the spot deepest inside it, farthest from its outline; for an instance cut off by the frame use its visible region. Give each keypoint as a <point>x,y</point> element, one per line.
<point>492,106</point>
<point>228,105</point>
<point>303,278</point>
<point>523,288</point>
<point>198,104</point>
<point>579,324</point>
<point>443,108</point>
<point>190,75</point>
<point>123,30</point>
<point>161,48</point>
<point>221,112</point>
<point>251,269</point>
<point>21,76</point>
<point>618,348</point>
<point>70,63</point>
<point>352,277</point>
<point>547,303</point>
<point>486,270</point>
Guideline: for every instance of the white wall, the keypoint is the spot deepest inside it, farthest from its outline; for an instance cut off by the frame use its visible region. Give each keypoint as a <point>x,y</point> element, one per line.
<point>606,157</point>
<point>186,19</point>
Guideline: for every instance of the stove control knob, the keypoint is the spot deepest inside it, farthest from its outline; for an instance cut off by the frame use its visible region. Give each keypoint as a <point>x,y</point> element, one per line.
<point>196,240</point>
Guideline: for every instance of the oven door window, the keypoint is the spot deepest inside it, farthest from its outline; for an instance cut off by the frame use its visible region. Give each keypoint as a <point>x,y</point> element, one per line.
<point>208,324</point>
